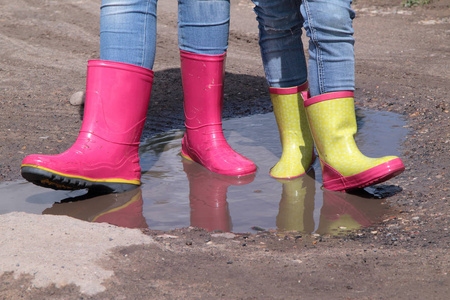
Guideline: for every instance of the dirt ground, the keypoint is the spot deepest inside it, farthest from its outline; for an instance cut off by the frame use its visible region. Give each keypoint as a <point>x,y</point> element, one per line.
<point>402,66</point>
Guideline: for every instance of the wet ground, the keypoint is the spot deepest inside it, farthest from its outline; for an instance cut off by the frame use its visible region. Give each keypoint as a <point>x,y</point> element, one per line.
<point>177,193</point>
<point>401,67</point>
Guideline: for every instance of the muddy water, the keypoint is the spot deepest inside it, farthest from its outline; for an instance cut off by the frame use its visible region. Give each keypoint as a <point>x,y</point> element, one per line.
<point>178,193</point>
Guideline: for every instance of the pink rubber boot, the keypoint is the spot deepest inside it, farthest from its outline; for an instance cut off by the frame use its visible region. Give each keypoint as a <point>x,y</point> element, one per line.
<point>105,155</point>
<point>203,141</point>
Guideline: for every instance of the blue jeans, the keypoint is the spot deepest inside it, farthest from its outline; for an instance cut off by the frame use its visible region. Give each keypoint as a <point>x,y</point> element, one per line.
<point>328,24</point>
<point>128,29</point>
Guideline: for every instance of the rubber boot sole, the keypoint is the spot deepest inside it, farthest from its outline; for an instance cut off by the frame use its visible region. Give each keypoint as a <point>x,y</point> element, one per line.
<point>56,181</point>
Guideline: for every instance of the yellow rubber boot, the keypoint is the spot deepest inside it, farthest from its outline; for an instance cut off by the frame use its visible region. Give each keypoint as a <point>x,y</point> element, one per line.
<point>296,140</point>
<point>332,121</point>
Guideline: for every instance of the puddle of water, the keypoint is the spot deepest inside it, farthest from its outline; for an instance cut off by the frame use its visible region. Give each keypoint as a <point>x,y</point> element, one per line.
<point>177,193</point>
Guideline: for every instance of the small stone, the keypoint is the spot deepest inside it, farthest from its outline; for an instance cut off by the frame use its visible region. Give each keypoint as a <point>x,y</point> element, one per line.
<point>167,236</point>
<point>77,98</point>
<point>227,235</point>
<point>257,228</point>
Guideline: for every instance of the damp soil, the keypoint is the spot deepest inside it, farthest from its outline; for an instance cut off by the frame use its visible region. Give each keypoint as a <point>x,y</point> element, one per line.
<point>402,66</point>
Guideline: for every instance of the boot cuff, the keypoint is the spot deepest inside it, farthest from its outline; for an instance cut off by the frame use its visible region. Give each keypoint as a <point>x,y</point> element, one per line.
<point>324,97</point>
<point>288,91</point>
<point>202,57</point>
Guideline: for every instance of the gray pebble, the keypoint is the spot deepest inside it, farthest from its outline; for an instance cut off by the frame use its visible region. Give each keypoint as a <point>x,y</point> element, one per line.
<point>77,98</point>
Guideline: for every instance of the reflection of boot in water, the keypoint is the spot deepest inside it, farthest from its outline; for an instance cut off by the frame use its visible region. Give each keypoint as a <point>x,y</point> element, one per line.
<point>208,196</point>
<point>297,204</point>
<point>342,213</point>
<point>124,209</point>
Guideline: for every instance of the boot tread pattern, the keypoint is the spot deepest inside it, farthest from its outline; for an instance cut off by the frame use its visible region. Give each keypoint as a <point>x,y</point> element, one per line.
<point>54,181</point>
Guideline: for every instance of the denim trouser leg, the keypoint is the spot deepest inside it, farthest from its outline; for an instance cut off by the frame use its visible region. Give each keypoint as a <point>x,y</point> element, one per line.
<point>328,24</point>
<point>280,30</point>
<point>203,26</point>
<point>128,31</point>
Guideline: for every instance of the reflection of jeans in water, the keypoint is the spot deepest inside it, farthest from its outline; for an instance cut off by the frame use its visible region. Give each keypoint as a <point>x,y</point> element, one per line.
<point>128,29</point>
<point>328,24</point>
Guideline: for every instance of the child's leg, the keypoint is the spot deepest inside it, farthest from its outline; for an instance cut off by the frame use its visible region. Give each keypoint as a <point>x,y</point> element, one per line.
<point>203,28</point>
<point>128,31</point>
<point>329,103</point>
<point>328,24</point>
<point>105,155</point>
<point>280,31</point>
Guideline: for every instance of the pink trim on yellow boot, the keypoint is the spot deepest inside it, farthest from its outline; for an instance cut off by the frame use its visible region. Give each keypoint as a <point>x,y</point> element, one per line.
<point>334,181</point>
<point>288,91</point>
<point>324,97</point>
